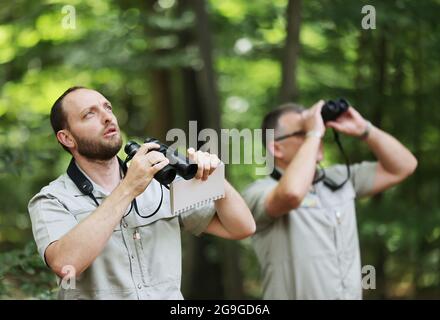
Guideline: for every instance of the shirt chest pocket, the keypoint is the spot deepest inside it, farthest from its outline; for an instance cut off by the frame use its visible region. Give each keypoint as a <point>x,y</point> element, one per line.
<point>85,210</point>
<point>151,206</point>
<point>339,198</point>
<point>329,207</point>
<point>80,204</point>
<point>81,207</point>
<point>341,211</point>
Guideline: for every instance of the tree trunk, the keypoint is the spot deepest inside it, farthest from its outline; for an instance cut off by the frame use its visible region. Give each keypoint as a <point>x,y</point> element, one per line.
<point>209,276</point>
<point>161,120</point>
<point>382,63</point>
<point>361,61</point>
<point>379,102</point>
<point>289,86</point>
<point>206,75</point>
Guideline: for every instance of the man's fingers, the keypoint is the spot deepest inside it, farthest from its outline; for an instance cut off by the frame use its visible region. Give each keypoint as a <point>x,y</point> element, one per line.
<point>318,106</point>
<point>353,112</point>
<point>215,161</point>
<point>147,147</point>
<point>192,155</point>
<point>334,125</point>
<point>315,109</point>
<point>154,157</point>
<point>199,160</point>
<point>206,165</point>
<point>150,146</point>
<point>159,165</point>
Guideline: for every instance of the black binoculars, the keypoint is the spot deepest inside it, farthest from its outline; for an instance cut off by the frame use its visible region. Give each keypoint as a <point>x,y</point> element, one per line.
<point>179,164</point>
<point>333,109</point>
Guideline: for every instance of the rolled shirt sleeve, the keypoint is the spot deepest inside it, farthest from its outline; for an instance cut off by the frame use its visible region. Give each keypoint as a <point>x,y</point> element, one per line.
<point>50,220</point>
<point>197,220</point>
<point>255,196</point>
<point>362,177</point>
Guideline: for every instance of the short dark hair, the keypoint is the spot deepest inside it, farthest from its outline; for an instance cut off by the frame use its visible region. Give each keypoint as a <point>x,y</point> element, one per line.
<point>270,121</point>
<point>58,118</point>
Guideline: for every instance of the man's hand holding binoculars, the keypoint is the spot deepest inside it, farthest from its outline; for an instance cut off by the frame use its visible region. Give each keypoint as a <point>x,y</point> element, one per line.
<point>313,123</point>
<point>350,122</point>
<point>338,115</point>
<point>144,165</point>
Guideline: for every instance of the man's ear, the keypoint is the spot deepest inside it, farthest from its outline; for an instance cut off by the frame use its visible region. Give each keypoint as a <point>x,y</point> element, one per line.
<point>65,138</point>
<point>275,149</point>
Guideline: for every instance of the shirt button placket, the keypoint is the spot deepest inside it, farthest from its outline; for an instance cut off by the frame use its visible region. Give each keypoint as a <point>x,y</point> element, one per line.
<point>136,279</point>
<point>338,216</point>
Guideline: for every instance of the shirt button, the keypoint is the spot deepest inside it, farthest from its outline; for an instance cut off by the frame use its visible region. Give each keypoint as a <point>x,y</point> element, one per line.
<point>132,257</point>
<point>338,216</point>
<point>139,286</point>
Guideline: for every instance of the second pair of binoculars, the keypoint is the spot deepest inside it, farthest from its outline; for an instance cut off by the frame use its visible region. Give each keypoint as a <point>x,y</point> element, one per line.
<point>179,164</point>
<point>332,109</point>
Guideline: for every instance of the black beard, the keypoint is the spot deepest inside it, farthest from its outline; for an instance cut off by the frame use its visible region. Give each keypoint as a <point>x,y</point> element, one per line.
<point>91,149</point>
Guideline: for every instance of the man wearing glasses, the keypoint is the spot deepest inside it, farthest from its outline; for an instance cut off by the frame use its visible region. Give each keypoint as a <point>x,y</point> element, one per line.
<point>87,233</point>
<point>306,239</point>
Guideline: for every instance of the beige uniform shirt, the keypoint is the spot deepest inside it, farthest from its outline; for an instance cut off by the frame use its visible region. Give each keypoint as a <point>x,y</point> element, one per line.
<point>313,251</point>
<point>142,259</point>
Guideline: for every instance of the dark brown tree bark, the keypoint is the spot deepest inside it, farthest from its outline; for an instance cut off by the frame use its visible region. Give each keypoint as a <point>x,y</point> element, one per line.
<point>161,120</point>
<point>289,86</point>
<point>206,76</point>
<point>381,75</point>
<point>160,88</point>
<point>202,104</point>
<point>382,80</point>
<point>361,61</point>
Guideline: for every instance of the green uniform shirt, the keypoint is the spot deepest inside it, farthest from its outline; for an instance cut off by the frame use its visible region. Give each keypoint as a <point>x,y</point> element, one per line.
<point>141,260</point>
<point>312,252</point>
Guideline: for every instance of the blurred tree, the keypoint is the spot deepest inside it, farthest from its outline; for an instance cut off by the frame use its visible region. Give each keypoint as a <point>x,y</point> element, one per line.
<point>289,88</point>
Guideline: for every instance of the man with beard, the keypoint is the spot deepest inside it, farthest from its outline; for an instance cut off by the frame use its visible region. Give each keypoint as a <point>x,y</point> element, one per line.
<point>88,232</point>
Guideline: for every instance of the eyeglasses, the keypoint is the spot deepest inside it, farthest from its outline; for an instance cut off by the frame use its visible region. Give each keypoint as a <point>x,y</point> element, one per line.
<point>293,134</point>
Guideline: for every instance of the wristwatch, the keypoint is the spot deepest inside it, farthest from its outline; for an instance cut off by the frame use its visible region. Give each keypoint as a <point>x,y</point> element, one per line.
<point>367,130</point>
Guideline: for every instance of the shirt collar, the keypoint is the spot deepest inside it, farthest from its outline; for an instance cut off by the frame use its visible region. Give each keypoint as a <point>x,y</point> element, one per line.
<point>97,189</point>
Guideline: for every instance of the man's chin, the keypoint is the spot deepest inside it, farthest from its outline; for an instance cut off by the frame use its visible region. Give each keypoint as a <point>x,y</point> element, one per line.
<point>104,153</point>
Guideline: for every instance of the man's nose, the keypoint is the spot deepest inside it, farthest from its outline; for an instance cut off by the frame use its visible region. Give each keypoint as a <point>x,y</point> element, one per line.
<point>106,117</point>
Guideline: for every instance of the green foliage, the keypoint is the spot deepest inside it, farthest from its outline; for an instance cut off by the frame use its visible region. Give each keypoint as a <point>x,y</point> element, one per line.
<point>23,275</point>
